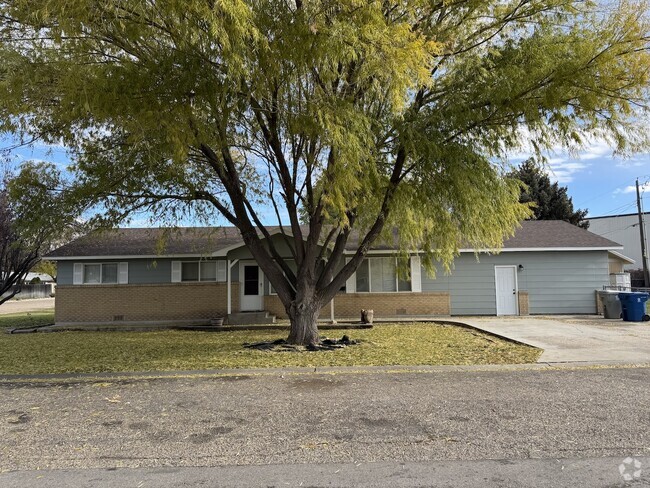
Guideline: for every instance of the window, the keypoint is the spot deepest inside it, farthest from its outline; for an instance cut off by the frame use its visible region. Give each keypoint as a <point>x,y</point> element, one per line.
<point>199,271</point>
<point>272,290</point>
<point>106,273</point>
<point>251,280</point>
<point>190,271</point>
<point>109,273</point>
<point>363,277</point>
<point>208,271</point>
<point>404,284</point>
<point>92,273</point>
<point>380,275</point>
<point>292,265</point>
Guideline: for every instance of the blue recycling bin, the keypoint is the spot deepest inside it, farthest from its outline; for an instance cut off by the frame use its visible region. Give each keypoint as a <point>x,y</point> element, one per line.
<point>633,305</point>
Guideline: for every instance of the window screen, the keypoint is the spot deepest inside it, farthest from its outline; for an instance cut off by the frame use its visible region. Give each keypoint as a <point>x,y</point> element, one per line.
<point>363,277</point>
<point>92,273</point>
<point>378,275</point>
<point>209,271</point>
<point>109,273</point>
<point>190,272</point>
<point>382,275</point>
<point>404,284</point>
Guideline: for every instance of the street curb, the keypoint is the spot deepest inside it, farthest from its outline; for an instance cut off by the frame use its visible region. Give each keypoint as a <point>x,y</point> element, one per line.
<point>218,373</point>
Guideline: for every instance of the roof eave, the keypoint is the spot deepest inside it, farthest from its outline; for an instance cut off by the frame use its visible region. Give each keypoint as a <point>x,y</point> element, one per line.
<point>622,257</point>
<point>130,256</point>
<point>506,249</point>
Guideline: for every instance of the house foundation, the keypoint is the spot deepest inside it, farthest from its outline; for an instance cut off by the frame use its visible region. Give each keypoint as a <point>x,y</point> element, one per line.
<point>349,305</point>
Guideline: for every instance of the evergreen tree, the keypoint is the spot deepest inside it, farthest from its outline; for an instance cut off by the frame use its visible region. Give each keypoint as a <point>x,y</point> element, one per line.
<point>551,200</point>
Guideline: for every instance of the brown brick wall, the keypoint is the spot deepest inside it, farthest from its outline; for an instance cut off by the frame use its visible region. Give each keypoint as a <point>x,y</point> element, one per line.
<point>149,302</point>
<point>194,301</point>
<point>349,305</point>
<point>273,305</point>
<point>523,302</point>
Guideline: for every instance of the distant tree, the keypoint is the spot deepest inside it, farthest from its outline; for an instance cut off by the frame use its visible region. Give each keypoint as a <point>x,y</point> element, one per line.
<point>46,267</point>
<point>16,259</point>
<point>551,200</point>
<point>33,219</point>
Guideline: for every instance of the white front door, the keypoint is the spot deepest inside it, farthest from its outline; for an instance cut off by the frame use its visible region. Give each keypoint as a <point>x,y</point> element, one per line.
<point>251,286</point>
<point>506,286</point>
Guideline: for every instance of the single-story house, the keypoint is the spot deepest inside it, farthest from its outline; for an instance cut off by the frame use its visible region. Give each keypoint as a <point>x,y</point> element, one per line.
<point>195,274</point>
<point>38,278</point>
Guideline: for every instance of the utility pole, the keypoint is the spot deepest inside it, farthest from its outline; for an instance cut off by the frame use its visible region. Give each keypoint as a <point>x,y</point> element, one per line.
<point>644,254</point>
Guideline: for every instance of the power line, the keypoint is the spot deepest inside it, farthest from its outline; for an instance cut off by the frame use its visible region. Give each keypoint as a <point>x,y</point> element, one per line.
<point>603,234</point>
<point>624,183</point>
<point>619,209</point>
<point>580,204</point>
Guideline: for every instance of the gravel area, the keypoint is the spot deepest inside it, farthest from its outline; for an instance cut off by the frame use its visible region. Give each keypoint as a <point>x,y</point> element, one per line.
<point>325,418</point>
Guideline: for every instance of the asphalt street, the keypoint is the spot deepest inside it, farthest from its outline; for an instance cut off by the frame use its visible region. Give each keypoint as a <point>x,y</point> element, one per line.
<point>346,419</point>
<point>533,473</point>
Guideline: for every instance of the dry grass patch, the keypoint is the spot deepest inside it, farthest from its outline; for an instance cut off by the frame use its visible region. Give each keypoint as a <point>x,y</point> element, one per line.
<point>385,344</point>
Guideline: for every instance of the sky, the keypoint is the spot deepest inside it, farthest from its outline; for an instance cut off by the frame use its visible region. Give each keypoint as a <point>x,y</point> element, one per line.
<point>596,179</point>
<point>599,180</point>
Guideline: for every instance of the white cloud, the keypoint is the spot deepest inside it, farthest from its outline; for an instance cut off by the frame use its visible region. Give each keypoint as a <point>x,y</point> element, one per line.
<point>562,165</point>
<point>62,165</point>
<point>632,188</point>
<point>563,170</point>
<point>597,149</point>
<point>635,161</point>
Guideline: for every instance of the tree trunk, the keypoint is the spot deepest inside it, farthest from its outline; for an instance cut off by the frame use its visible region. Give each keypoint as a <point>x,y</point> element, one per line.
<point>304,327</point>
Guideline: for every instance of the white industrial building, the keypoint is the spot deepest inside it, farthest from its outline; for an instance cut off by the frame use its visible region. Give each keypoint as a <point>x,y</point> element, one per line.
<point>623,229</point>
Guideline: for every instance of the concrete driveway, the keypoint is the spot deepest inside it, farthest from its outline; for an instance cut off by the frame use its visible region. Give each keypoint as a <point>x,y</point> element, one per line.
<point>573,338</point>
<point>29,305</point>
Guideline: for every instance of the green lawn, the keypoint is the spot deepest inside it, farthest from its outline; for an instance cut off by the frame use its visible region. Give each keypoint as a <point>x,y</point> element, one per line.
<point>23,320</point>
<point>389,344</point>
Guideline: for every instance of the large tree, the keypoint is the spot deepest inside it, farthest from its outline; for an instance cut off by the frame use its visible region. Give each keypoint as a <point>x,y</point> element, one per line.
<point>360,117</point>
<point>15,259</point>
<point>551,201</point>
<point>33,219</point>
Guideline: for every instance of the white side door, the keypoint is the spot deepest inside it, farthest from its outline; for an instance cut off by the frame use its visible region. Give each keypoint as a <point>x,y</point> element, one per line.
<point>506,290</point>
<point>251,286</point>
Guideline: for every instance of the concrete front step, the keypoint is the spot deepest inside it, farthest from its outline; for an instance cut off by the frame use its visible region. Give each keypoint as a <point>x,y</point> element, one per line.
<point>247,318</point>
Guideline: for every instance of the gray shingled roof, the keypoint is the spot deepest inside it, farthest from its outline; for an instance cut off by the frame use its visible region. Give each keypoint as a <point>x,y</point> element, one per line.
<point>542,234</point>
<point>555,233</point>
<point>151,242</point>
